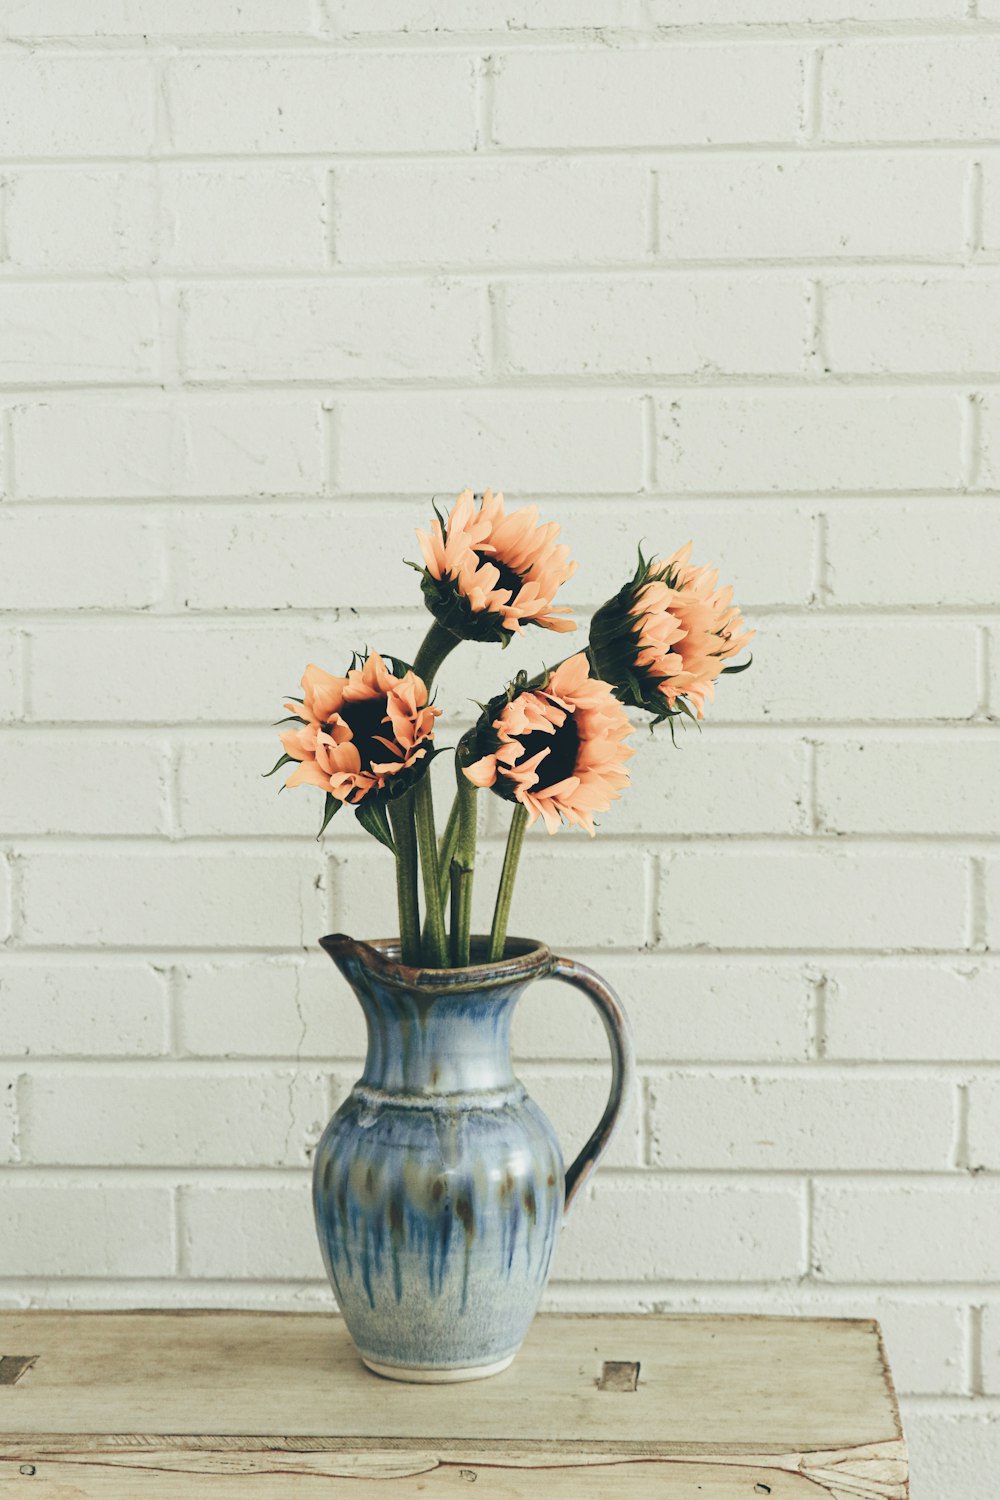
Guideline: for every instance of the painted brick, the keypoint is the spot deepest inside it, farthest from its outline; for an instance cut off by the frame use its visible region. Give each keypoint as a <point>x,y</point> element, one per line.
<point>76,1229</point>
<point>104,334</point>
<point>82,218</point>
<point>168,1119</point>
<point>321,102</point>
<point>334,331</point>
<point>911,324</point>
<point>681,1232</point>
<point>108,449</point>
<point>766,12</point>
<point>952,1455</point>
<point>909,785</point>
<point>680,1010</point>
<point>903,1232</point>
<point>765,548</point>
<point>574,1102</point>
<point>490,212</point>
<point>53,105</point>
<point>93,559</point>
<point>669,95</point>
<point>991,875</point>
<point>419,18</point>
<point>115,787</point>
<point>667,325</point>
<point>288,558</point>
<point>244,216</point>
<point>984,1124</point>
<point>813,899</point>
<point>278,557</point>
<point>546,442</point>
<point>250,1232</point>
<point>10,676</point>
<point>803,671</point>
<point>171,900</point>
<point>206,672</point>
<point>809,440</point>
<point>83,1009</point>
<point>991,1348</point>
<point>703,786</point>
<point>990,172</point>
<point>989,418</point>
<point>269,1008</point>
<point>10,1147</point>
<point>222,791</point>
<point>906,554</point>
<point>810,1123</point>
<point>5,900</point>
<point>927,1012</point>
<point>818,205</point>
<point>145,19</point>
<point>911,89</point>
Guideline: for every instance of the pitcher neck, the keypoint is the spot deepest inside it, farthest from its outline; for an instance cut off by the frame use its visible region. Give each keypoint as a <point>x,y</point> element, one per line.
<point>444,1044</point>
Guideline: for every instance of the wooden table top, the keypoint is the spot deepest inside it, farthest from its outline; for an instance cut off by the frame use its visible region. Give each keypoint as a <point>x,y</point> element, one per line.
<point>156,1405</point>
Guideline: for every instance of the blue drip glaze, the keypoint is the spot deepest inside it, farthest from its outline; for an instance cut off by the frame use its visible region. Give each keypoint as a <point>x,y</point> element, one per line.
<point>438,1184</point>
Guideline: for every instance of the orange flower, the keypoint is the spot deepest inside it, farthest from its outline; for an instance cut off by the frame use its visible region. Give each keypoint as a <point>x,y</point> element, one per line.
<point>488,574</point>
<point>360,731</point>
<point>665,638</point>
<point>556,749</point>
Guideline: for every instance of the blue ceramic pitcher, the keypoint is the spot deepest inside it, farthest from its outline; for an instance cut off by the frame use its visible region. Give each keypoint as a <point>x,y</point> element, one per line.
<point>438,1186</point>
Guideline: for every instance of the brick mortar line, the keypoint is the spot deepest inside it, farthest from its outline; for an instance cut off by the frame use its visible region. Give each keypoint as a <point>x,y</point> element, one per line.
<point>580,40</point>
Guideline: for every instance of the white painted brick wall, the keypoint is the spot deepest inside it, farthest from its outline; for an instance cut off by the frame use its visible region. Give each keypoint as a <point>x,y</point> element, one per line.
<point>270,277</point>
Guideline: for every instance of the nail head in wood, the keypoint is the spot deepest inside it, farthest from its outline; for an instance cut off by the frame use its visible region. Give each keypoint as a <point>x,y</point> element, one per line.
<point>619,1375</point>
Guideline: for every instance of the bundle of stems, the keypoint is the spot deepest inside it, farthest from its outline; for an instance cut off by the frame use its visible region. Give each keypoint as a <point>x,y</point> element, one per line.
<point>444,869</point>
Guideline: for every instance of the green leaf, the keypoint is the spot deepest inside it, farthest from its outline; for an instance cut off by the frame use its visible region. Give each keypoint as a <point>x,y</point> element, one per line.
<point>372,816</point>
<point>331,806</point>
<point>284,761</point>
<point>292,719</point>
<point>741,668</point>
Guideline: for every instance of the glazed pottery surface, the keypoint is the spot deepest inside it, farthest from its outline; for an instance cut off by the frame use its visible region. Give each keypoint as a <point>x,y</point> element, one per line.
<point>439,1186</point>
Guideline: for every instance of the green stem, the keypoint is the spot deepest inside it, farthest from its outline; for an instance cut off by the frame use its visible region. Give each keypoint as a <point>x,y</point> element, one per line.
<point>515,838</point>
<point>446,849</point>
<point>463,868</point>
<point>405,838</point>
<point>435,646</point>
<point>435,950</point>
<point>461,885</point>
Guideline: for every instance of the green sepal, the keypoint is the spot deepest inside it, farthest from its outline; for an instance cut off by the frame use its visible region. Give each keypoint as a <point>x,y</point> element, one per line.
<point>331,806</point>
<point>452,610</point>
<point>284,761</point>
<point>291,719</point>
<point>371,814</point>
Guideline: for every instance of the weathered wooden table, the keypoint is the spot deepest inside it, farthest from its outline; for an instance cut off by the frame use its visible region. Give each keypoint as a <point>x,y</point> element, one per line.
<point>256,1406</point>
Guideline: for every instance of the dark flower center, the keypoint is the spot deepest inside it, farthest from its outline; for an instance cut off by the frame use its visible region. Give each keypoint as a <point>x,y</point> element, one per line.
<point>366,718</point>
<point>562,747</point>
<point>508,578</point>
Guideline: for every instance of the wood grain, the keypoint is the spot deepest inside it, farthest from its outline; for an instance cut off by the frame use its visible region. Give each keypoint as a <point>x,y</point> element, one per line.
<point>151,1405</point>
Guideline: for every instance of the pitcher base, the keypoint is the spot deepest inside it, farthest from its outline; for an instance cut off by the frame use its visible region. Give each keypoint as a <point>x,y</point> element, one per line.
<point>420,1375</point>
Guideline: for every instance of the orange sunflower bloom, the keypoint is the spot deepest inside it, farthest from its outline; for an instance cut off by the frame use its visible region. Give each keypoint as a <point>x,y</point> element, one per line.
<point>357,733</point>
<point>667,636</point>
<point>487,574</point>
<point>558,750</point>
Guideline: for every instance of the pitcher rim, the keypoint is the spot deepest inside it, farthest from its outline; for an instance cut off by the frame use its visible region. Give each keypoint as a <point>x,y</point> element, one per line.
<point>530,959</point>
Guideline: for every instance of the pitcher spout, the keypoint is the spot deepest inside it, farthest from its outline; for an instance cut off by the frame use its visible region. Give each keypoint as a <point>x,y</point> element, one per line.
<point>349,954</point>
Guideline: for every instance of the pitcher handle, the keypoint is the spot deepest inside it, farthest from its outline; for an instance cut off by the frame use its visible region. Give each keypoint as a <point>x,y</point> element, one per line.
<point>619,1035</point>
